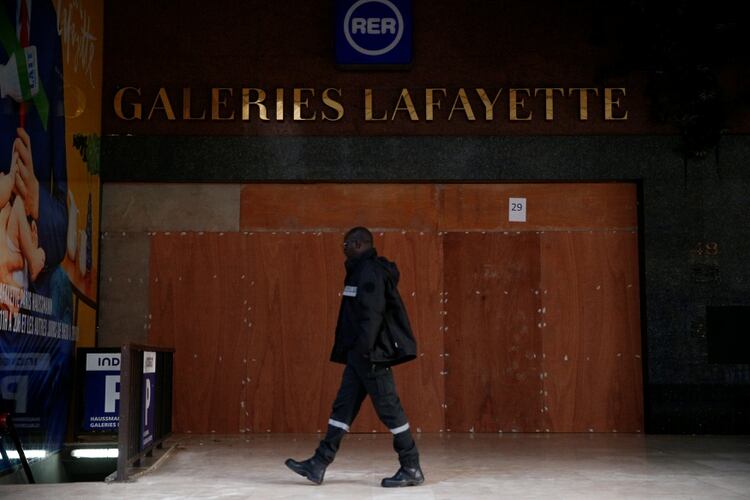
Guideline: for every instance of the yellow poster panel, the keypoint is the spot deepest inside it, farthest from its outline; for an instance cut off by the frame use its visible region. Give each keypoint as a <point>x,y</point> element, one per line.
<point>80,26</point>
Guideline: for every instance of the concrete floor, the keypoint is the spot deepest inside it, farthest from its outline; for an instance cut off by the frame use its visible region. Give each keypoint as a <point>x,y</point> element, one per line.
<point>457,466</point>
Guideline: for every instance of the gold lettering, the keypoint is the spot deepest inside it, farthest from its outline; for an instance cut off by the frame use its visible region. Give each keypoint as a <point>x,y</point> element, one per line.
<point>220,98</point>
<point>514,103</point>
<point>118,104</point>
<point>166,106</point>
<point>583,100</point>
<point>431,103</point>
<point>299,104</point>
<point>368,108</point>
<point>465,106</point>
<point>406,99</point>
<point>333,104</point>
<point>609,103</point>
<point>279,105</point>
<point>246,102</point>
<point>549,97</point>
<point>186,106</point>
<point>488,105</point>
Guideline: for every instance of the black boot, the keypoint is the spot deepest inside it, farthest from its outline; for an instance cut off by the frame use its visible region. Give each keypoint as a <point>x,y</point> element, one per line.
<point>405,476</point>
<point>313,468</point>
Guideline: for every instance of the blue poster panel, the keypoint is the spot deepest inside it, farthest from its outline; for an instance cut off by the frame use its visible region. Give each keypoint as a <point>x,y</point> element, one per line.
<point>35,387</point>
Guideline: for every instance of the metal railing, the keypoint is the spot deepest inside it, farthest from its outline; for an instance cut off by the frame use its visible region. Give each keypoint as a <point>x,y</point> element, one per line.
<point>7,428</point>
<point>145,404</point>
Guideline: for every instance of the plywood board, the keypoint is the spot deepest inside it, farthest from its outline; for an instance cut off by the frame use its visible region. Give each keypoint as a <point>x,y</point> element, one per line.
<point>591,333</point>
<point>194,308</point>
<point>493,342</point>
<point>549,206</point>
<point>421,386</point>
<point>292,287</point>
<point>338,206</point>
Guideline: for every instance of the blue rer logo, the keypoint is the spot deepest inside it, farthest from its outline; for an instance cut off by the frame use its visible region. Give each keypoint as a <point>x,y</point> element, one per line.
<point>373,27</point>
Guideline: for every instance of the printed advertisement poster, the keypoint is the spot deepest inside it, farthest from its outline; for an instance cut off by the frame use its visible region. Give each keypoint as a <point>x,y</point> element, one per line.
<point>50,113</point>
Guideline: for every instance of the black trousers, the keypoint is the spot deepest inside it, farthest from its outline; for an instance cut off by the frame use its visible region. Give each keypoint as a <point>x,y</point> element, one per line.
<point>362,378</point>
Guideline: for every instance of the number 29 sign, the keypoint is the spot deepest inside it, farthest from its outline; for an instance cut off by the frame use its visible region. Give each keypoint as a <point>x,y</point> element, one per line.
<point>517,209</point>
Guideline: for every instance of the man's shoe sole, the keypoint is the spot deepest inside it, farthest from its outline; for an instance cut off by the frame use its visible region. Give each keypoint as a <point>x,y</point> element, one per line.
<point>413,482</point>
<point>301,472</point>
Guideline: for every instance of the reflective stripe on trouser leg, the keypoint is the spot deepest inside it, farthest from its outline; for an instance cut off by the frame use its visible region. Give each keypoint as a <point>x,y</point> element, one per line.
<point>381,386</point>
<point>345,408</point>
<point>342,425</point>
<point>398,430</point>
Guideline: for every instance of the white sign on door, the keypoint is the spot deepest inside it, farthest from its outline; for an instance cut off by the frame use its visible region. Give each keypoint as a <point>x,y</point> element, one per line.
<point>517,209</point>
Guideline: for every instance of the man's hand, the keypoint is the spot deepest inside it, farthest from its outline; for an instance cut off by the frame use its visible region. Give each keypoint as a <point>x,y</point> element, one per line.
<point>27,184</point>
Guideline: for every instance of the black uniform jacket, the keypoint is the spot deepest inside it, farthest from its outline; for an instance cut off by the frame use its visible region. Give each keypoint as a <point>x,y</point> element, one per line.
<point>372,318</point>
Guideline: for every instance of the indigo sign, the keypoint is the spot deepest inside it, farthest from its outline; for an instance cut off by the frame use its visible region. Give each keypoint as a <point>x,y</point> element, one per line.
<point>101,404</point>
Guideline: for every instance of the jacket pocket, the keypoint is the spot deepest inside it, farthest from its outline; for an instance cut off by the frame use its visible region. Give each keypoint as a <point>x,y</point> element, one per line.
<point>385,347</point>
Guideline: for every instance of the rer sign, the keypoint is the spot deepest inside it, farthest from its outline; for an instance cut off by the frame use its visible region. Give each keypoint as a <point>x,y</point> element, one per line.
<point>373,32</point>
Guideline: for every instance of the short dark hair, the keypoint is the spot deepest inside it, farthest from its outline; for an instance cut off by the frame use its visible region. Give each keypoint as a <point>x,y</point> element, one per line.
<point>359,233</point>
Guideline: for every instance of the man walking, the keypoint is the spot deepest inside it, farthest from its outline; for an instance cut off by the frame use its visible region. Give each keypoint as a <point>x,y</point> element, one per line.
<point>372,334</point>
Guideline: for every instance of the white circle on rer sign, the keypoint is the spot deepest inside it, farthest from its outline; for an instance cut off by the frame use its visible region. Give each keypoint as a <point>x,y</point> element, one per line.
<point>373,26</point>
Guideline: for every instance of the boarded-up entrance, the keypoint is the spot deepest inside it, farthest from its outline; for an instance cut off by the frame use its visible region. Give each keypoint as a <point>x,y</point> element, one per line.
<point>522,326</point>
